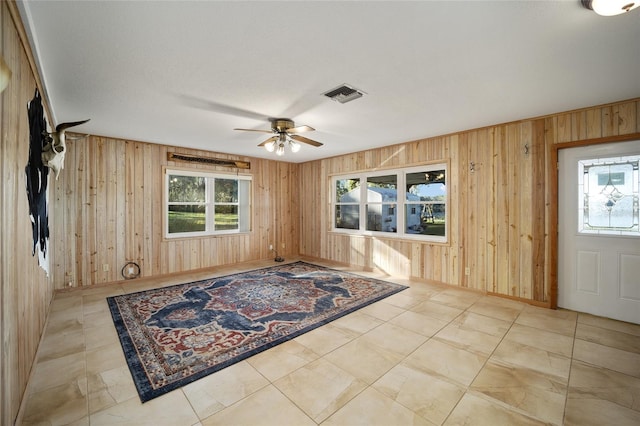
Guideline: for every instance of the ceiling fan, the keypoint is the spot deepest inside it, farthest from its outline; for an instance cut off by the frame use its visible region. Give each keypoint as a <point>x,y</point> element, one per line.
<point>285,132</point>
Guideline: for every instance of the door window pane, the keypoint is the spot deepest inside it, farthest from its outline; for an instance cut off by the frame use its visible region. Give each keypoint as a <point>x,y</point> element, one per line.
<point>608,194</point>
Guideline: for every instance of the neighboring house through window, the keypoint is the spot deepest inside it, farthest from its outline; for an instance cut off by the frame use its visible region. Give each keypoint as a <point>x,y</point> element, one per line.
<point>369,202</point>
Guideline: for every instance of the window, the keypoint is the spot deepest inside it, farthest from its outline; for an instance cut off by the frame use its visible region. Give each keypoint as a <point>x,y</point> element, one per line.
<point>609,196</point>
<point>347,203</point>
<point>200,204</point>
<point>382,195</point>
<point>407,203</point>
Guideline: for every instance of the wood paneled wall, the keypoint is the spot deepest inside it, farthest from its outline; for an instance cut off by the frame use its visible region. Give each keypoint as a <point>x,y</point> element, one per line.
<point>106,209</point>
<point>108,205</point>
<point>501,213</point>
<point>25,290</point>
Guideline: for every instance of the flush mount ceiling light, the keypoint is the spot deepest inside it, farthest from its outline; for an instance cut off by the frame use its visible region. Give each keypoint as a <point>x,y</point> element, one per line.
<point>610,7</point>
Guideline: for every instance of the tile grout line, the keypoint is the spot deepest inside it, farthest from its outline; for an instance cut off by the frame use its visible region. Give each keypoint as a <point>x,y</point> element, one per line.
<point>486,397</point>
<point>483,365</point>
<point>86,372</point>
<point>333,350</point>
<point>413,351</point>
<point>368,386</point>
<point>566,394</point>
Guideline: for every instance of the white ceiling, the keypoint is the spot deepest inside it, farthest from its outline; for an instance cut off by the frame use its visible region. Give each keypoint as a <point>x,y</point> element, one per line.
<point>187,73</point>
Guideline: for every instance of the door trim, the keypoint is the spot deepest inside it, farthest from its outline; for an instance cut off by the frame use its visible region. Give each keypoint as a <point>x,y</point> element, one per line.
<point>552,177</point>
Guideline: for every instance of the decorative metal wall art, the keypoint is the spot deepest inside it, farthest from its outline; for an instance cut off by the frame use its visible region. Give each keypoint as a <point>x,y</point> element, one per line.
<point>172,156</point>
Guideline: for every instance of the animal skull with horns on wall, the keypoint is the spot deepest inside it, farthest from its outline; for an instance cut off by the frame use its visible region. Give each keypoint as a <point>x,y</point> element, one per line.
<point>54,149</point>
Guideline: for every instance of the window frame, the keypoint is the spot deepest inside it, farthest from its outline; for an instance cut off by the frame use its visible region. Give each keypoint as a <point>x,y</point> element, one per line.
<point>210,203</point>
<point>400,205</point>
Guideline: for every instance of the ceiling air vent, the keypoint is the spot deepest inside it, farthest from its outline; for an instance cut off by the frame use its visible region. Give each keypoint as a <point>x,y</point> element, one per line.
<point>344,94</point>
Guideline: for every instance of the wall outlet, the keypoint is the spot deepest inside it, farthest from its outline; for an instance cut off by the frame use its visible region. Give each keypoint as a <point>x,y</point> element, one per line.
<point>271,247</point>
<point>282,245</point>
<point>467,271</point>
<point>105,267</point>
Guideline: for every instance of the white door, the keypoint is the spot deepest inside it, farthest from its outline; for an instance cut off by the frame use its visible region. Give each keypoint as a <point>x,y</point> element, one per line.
<point>599,238</point>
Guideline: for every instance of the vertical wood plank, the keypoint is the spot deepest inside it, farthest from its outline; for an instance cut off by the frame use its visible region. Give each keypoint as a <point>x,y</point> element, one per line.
<point>513,151</point>
<point>142,215</point>
<point>461,205</point>
<point>524,221</point>
<point>609,121</point>
<point>538,210</point>
<point>579,125</point>
<point>68,182</point>
<point>101,212</point>
<point>81,276</point>
<point>92,211</point>
<point>120,187</point>
<point>594,124</point>
<point>564,127</point>
<point>130,201</point>
<point>626,113</point>
<point>453,185</point>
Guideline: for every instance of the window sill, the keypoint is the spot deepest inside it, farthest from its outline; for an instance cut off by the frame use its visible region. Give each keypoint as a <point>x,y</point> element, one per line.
<point>384,236</point>
<point>195,237</point>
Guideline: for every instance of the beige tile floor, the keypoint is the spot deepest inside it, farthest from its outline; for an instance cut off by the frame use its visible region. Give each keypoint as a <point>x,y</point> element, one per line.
<point>429,355</point>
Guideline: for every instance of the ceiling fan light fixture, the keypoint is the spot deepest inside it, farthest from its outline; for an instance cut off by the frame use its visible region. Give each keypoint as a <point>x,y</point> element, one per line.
<point>285,132</point>
<point>610,7</point>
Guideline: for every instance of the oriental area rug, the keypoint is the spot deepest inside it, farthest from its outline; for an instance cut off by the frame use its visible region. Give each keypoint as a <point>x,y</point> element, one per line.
<point>174,335</point>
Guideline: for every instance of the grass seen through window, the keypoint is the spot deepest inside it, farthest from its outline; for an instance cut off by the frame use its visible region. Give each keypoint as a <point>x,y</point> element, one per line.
<point>207,204</point>
<point>195,222</point>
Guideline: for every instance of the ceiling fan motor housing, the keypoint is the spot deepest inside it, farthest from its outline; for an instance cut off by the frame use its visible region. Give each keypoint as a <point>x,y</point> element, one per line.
<point>285,132</point>
<point>281,125</point>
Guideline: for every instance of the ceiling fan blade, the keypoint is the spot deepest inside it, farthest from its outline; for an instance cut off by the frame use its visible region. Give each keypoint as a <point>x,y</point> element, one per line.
<point>208,105</point>
<point>272,138</point>
<point>305,140</point>
<point>255,130</point>
<point>300,129</point>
